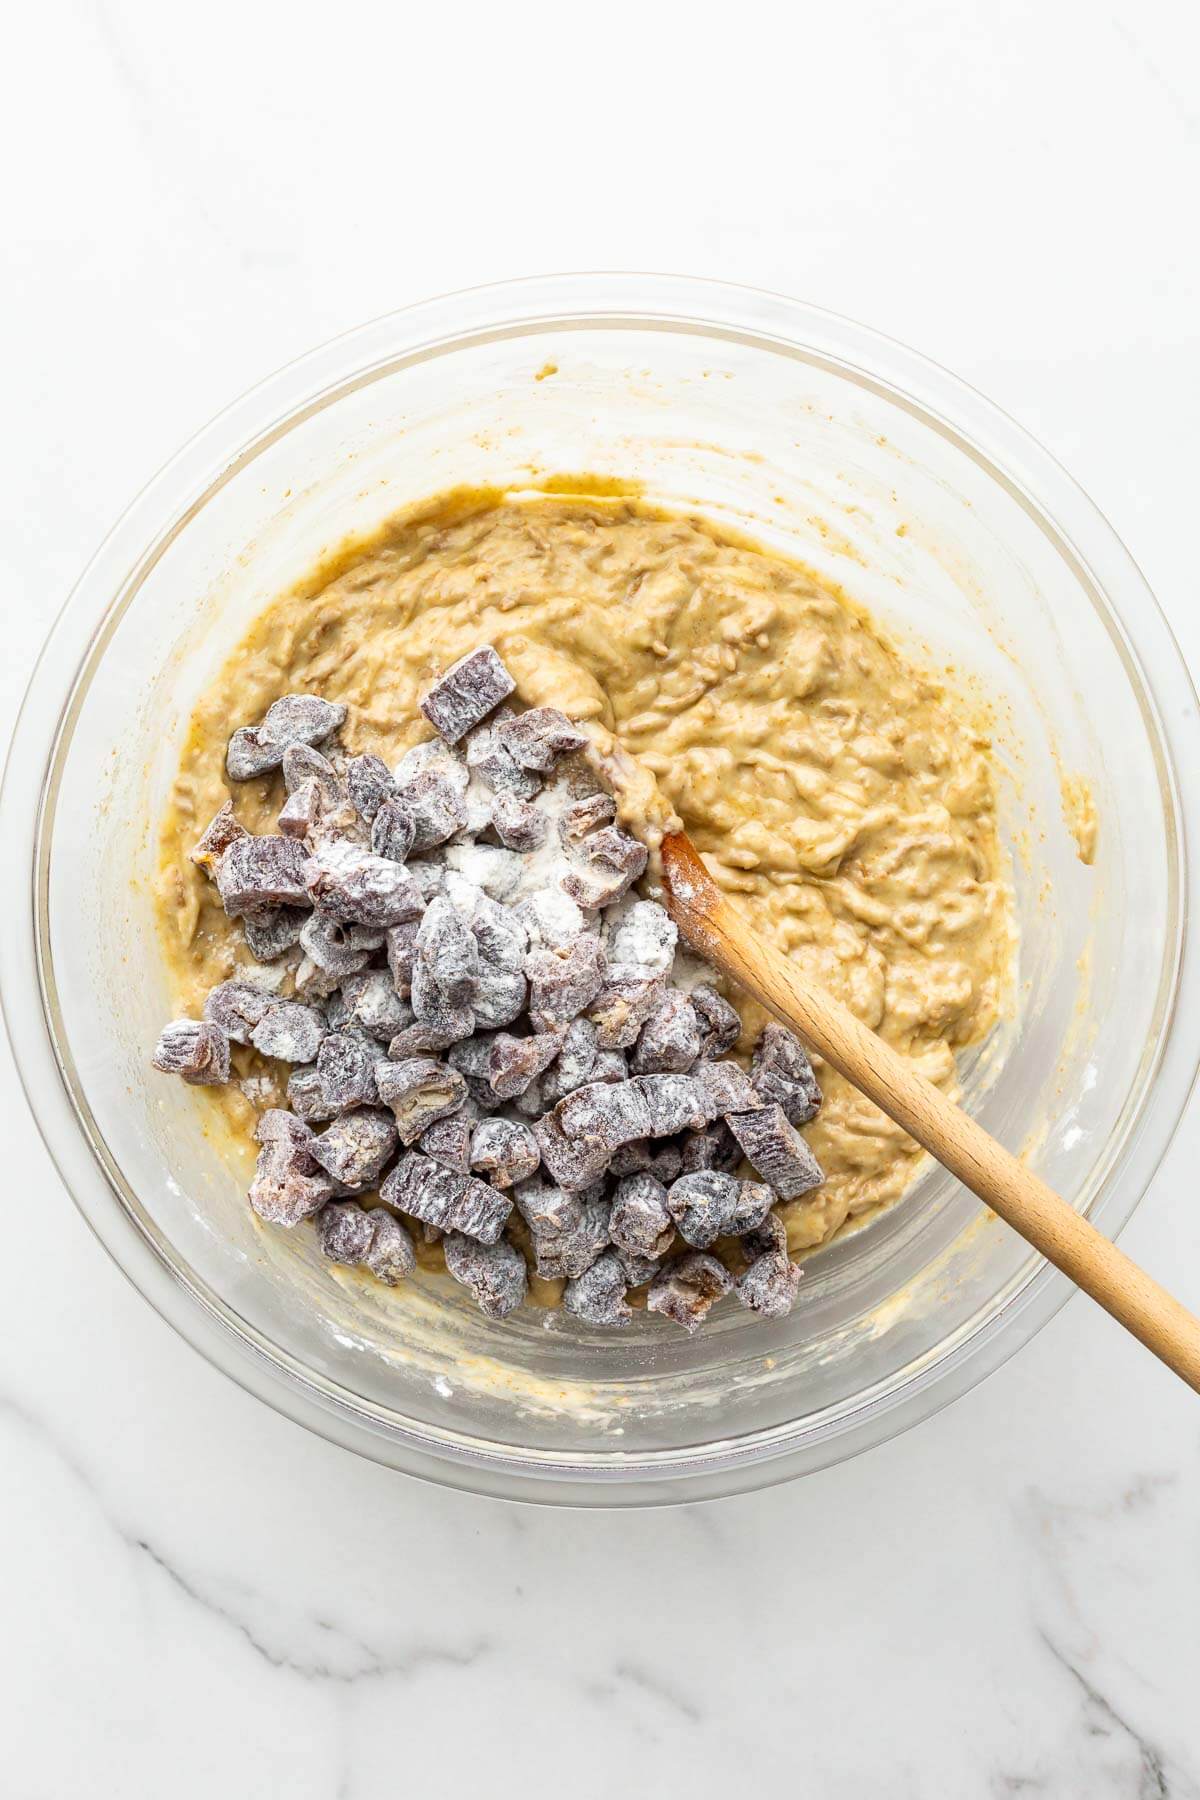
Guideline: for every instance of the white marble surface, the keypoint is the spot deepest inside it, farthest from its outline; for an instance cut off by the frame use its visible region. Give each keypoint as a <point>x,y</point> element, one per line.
<point>197,1597</point>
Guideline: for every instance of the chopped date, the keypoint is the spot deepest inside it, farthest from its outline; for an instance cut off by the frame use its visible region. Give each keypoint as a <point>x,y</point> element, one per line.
<point>499,997</point>
<point>721,1026</point>
<point>406,1182</point>
<point>674,1103</point>
<point>502,938</point>
<point>401,954</point>
<point>307,1097</point>
<point>196,1049</point>
<point>783,1075</point>
<point>638,1269</point>
<point>429,876</point>
<point>300,719</point>
<point>519,824</point>
<point>532,1103</point>
<point>436,755</point>
<point>726,1088</point>
<point>436,806</point>
<point>496,767</point>
<point>448,952</point>
<point>376,1240</point>
<point>584,815</point>
<point>221,831</point>
<point>670,1039</point>
<point>355,887</point>
<point>769,1286</point>
<point>301,763</point>
<point>610,1065</point>
<point>273,931</point>
<point>440,1196</point>
<point>754,1202</point>
<point>494,1273</point>
<point>769,1235</point>
<point>337,1013</point>
<point>369,937</point>
<point>537,738</point>
<point>344,1231</point>
<point>301,810</point>
<point>424,1037</point>
<point>569,1254</point>
<point>290,1032</point>
<point>258,872</point>
<point>280,1194</point>
<point>595,1190</point>
<point>687,1287</point>
<point>470,1058</point>
<point>636,1157</point>
<point>314,984</point>
<point>346,1067</point>
<point>571,1162</point>
<point>702,1206</point>
<point>714,1147</point>
<point>294,719</point>
<point>237,1007</point>
<point>641,1222</point>
<point>614,1112</point>
<point>612,862</point>
<point>574,1063</point>
<point>390,1255</point>
<point>666,1161</point>
<point>597,885</point>
<point>431,1008</point>
<point>649,1156</point>
<point>469,690</point>
<point>548,1210</point>
<point>448,1140</point>
<point>277,1126</point>
<point>501,990</point>
<point>288,1183</point>
<point>393,830</point>
<point>597,1297</point>
<point>777,1151</point>
<point>373,1005</point>
<point>419,1090</point>
<point>506,1150</point>
<point>369,783</point>
<point>622,1007</point>
<point>562,985</point>
<point>339,825</point>
<point>514,1062</point>
<point>357,1148</point>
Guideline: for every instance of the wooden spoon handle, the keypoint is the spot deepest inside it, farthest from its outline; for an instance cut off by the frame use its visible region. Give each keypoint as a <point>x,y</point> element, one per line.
<point>717,930</point>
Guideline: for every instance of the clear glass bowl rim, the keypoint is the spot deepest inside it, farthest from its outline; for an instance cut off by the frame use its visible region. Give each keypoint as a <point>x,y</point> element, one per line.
<point>233,438</point>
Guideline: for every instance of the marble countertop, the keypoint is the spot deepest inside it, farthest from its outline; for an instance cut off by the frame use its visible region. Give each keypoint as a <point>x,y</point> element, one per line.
<point>198,1598</point>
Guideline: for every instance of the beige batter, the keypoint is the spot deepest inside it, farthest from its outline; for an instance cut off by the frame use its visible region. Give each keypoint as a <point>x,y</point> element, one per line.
<point>828,782</point>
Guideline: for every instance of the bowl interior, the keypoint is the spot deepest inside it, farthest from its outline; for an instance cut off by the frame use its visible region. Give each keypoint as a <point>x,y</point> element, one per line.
<point>830,464</point>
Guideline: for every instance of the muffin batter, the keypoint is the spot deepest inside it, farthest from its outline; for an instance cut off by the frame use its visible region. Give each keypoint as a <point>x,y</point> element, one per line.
<point>827,781</point>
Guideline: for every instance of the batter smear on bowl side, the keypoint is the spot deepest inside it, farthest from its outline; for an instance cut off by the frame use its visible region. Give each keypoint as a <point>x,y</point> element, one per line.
<point>413,932</point>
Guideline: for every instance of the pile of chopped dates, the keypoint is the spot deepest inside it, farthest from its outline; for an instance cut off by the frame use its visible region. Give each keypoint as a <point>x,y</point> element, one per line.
<point>489,1025</point>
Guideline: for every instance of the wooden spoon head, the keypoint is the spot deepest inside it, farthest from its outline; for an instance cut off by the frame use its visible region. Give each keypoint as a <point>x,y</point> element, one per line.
<point>691,893</point>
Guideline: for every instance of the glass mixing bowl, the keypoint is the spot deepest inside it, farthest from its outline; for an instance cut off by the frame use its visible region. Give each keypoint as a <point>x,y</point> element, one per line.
<point>971,546</point>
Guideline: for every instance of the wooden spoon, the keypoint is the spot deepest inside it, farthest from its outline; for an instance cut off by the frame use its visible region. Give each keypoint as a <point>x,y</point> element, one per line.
<point>719,933</point>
